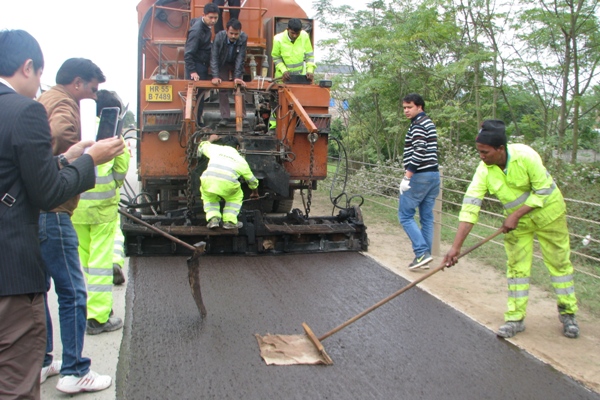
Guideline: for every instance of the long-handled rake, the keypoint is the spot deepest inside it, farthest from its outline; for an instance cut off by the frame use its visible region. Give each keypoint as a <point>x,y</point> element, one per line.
<point>307,349</point>
<point>193,262</point>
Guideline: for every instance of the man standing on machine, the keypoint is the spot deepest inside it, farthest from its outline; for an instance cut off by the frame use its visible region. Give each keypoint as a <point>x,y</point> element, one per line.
<point>197,52</point>
<point>292,54</point>
<point>234,13</point>
<point>227,57</point>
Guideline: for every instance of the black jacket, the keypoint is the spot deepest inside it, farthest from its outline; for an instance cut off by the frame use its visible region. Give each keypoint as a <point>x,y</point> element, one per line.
<point>219,54</point>
<point>197,46</point>
<point>26,158</point>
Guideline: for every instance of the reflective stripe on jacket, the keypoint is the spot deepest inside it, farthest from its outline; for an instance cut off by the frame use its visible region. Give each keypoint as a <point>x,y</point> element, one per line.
<point>226,165</point>
<point>526,182</point>
<point>100,204</point>
<point>292,57</point>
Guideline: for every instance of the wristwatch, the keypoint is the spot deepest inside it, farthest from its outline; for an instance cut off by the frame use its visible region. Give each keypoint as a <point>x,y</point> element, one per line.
<point>63,160</point>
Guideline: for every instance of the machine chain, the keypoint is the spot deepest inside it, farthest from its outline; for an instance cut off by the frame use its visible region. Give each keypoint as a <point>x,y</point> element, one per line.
<point>312,138</point>
<point>189,158</point>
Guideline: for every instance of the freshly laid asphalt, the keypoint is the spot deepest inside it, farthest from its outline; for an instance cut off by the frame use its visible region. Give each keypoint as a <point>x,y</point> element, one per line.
<point>414,347</point>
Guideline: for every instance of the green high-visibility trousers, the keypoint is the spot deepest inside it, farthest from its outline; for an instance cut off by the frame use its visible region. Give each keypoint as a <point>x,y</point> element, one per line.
<point>554,244</point>
<point>96,242</point>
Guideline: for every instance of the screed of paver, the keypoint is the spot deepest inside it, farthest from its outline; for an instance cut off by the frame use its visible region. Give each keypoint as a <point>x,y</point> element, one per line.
<point>414,347</point>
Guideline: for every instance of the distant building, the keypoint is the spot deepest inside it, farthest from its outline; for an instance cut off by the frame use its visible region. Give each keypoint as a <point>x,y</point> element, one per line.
<point>338,103</point>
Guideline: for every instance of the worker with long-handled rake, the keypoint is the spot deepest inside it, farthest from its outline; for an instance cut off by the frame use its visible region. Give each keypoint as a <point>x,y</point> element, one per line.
<point>534,205</point>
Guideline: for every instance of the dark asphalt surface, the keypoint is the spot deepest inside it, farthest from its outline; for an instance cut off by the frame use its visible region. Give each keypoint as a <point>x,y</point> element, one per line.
<point>414,347</point>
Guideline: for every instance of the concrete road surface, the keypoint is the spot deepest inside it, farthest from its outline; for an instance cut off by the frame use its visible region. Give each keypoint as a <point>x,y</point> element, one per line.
<point>103,349</point>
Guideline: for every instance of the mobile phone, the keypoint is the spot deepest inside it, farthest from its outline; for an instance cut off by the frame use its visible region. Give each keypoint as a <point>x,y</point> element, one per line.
<point>109,122</point>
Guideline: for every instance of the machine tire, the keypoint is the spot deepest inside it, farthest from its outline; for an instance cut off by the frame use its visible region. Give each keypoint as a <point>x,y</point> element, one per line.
<point>284,205</point>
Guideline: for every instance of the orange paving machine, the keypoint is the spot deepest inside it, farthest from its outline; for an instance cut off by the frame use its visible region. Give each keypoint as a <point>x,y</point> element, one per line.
<point>289,159</point>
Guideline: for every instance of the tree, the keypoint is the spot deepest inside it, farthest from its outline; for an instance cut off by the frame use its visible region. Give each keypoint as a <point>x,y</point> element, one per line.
<point>563,35</point>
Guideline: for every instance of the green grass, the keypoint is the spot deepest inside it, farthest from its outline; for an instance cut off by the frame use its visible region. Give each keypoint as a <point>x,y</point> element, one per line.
<point>381,211</point>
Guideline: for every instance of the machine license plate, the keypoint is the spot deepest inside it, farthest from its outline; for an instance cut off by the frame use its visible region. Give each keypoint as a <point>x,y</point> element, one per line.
<point>159,93</point>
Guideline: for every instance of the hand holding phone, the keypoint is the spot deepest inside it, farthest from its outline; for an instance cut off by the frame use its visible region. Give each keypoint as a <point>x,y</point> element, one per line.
<point>109,123</point>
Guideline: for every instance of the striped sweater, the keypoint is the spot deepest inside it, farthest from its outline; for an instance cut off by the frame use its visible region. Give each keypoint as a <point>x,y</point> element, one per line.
<point>420,145</point>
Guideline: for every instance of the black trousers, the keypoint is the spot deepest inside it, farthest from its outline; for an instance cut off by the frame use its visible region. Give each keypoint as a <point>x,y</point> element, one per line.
<point>233,13</point>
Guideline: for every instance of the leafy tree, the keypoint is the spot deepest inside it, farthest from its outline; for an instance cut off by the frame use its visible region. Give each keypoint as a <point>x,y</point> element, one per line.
<point>128,119</point>
<point>563,36</point>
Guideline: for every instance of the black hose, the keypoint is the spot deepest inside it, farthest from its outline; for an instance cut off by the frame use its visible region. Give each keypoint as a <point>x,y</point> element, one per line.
<point>337,199</point>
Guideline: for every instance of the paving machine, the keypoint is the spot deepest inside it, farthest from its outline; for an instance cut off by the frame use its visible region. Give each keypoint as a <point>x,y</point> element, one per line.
<point>288,160</point>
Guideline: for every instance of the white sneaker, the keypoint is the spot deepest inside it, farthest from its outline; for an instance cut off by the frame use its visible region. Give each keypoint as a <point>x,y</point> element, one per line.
<point>50,370</point>
<point>91,382</point>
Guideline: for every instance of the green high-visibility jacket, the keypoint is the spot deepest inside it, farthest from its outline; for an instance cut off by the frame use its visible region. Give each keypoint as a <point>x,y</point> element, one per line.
<point>100,204</point>
<point>298,58</point>
<point>224,169</point>
<point>524,182</point>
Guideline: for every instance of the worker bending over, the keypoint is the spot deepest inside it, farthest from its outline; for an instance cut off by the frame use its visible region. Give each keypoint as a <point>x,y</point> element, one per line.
<point>220,181</point>
<point>534,205</point>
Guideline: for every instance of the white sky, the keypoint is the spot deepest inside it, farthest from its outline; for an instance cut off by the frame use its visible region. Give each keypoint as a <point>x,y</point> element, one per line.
<point>104,32</point>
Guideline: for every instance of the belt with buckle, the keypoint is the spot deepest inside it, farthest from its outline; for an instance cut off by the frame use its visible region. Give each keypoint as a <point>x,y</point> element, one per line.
<point>8,200</point>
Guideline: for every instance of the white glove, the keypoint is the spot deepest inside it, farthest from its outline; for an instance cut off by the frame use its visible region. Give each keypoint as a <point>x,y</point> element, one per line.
<point>404,185</point>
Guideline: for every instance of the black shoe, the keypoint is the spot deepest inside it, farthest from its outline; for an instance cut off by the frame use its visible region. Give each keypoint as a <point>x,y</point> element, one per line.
<point>118,275</point>
<point>222,123</point>
<point>94,327</point>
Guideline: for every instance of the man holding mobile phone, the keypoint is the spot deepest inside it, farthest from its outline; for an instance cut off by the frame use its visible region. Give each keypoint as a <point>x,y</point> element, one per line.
<point>76,79</point>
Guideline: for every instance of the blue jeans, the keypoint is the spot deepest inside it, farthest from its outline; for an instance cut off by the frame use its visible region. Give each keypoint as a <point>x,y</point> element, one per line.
<point>59,243</point>
<point>424,188</point>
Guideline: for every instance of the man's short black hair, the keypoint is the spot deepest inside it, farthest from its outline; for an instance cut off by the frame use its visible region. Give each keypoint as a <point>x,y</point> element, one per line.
<point>16,47</point>
<point>105,98</point>
<point>235,24</point>
<point>229,140</point>
<point>295,25</point>
<point>414,98</point>
<point>78,67</point>
<point>211,8</point>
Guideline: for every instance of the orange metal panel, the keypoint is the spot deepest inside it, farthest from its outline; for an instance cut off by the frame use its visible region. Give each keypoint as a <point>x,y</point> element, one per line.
<point>311,96</point>
<point>300,167</point>
<point>162,159</point>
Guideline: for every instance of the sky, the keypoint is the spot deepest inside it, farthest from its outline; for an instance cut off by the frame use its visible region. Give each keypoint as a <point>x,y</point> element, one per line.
<point>104,32</point>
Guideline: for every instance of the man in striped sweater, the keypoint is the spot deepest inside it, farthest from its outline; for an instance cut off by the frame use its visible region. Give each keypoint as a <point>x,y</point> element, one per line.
<point>421,183</point>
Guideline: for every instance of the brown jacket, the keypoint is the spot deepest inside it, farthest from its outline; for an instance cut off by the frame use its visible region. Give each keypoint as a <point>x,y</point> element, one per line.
<point>65,126</point>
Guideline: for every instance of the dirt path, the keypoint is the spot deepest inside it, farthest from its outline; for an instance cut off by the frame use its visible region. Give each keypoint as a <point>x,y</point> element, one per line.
<point>479,292</point>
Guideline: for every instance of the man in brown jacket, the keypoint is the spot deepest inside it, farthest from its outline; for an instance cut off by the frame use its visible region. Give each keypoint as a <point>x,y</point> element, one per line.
<point>77,79</point>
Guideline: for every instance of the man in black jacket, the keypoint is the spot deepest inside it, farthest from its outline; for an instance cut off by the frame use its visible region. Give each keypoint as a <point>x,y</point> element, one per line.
<point>30,180</point>
<point>197,52</point>
<point>227,58</point>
